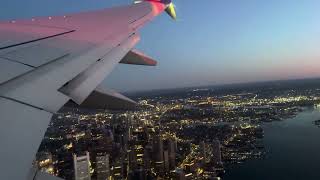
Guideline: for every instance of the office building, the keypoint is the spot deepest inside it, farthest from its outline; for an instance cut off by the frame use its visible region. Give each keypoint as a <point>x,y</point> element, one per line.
<point>103,167</point>
<point>82,167</point>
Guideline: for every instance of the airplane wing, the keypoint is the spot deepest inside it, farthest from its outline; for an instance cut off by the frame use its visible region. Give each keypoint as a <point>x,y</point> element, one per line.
<point>46,62</point>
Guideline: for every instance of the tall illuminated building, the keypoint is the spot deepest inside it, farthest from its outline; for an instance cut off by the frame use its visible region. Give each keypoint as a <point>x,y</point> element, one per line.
<point>82,167</point>
<point>103,167</point>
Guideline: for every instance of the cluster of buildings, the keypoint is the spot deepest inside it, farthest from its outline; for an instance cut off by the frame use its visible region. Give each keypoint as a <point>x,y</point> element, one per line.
<point>192,135</point>
<point>101,145</point>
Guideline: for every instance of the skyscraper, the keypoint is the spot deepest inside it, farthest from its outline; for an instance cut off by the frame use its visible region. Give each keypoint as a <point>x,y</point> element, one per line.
<point>216,150</point>
<point>158,148</point>
<point>166,160</point>
<point>203,150</point>
<point>132,159</point>
<point>158,154</point>
<point>82,167</point>
<point>147,157</point>
<point>172,153</point>
<point>103,167</point>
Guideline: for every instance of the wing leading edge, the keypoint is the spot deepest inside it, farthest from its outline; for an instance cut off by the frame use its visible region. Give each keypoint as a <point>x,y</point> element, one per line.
<point>45,62</point>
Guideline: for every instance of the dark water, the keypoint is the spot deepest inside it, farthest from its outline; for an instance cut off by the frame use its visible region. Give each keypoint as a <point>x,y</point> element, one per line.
<point>294,146</point>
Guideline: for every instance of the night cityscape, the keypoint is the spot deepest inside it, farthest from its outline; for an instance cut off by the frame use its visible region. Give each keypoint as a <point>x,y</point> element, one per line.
<point>191,133</point>
<point>159,90</point>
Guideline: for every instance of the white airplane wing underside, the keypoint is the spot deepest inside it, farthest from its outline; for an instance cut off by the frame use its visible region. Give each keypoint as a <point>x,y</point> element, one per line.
<point>45,62</point>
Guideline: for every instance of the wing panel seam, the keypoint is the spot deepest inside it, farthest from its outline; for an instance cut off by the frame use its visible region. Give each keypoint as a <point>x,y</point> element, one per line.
<point>35,40</point>
<point>27,104</point>
<point>15,61</point>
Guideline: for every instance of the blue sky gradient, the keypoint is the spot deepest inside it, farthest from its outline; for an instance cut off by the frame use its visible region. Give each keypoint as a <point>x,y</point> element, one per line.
<point>212,42</point>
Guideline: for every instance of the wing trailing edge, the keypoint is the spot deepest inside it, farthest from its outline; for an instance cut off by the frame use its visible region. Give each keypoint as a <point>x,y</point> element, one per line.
<point>137,58</point>
<point>102,98</point>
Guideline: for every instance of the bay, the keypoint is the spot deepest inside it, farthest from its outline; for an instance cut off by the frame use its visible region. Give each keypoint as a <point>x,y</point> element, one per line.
<point>293,147</point>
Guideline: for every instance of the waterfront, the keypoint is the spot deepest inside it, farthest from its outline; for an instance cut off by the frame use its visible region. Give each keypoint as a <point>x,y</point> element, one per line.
<point>293,146</point>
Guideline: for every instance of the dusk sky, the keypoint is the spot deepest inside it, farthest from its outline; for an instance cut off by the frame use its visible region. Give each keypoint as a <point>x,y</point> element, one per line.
<point>212,42</point>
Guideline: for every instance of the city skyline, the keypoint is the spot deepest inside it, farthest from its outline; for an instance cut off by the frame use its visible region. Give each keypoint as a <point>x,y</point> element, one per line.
<point>231,42</point>
<point>224,133</point>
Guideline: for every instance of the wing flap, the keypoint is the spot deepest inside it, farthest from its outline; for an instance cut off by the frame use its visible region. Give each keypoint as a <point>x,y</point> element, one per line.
<point>102,98</point>
<point>108,99</point>
<point>79,88</point>
<point>137,58</point>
